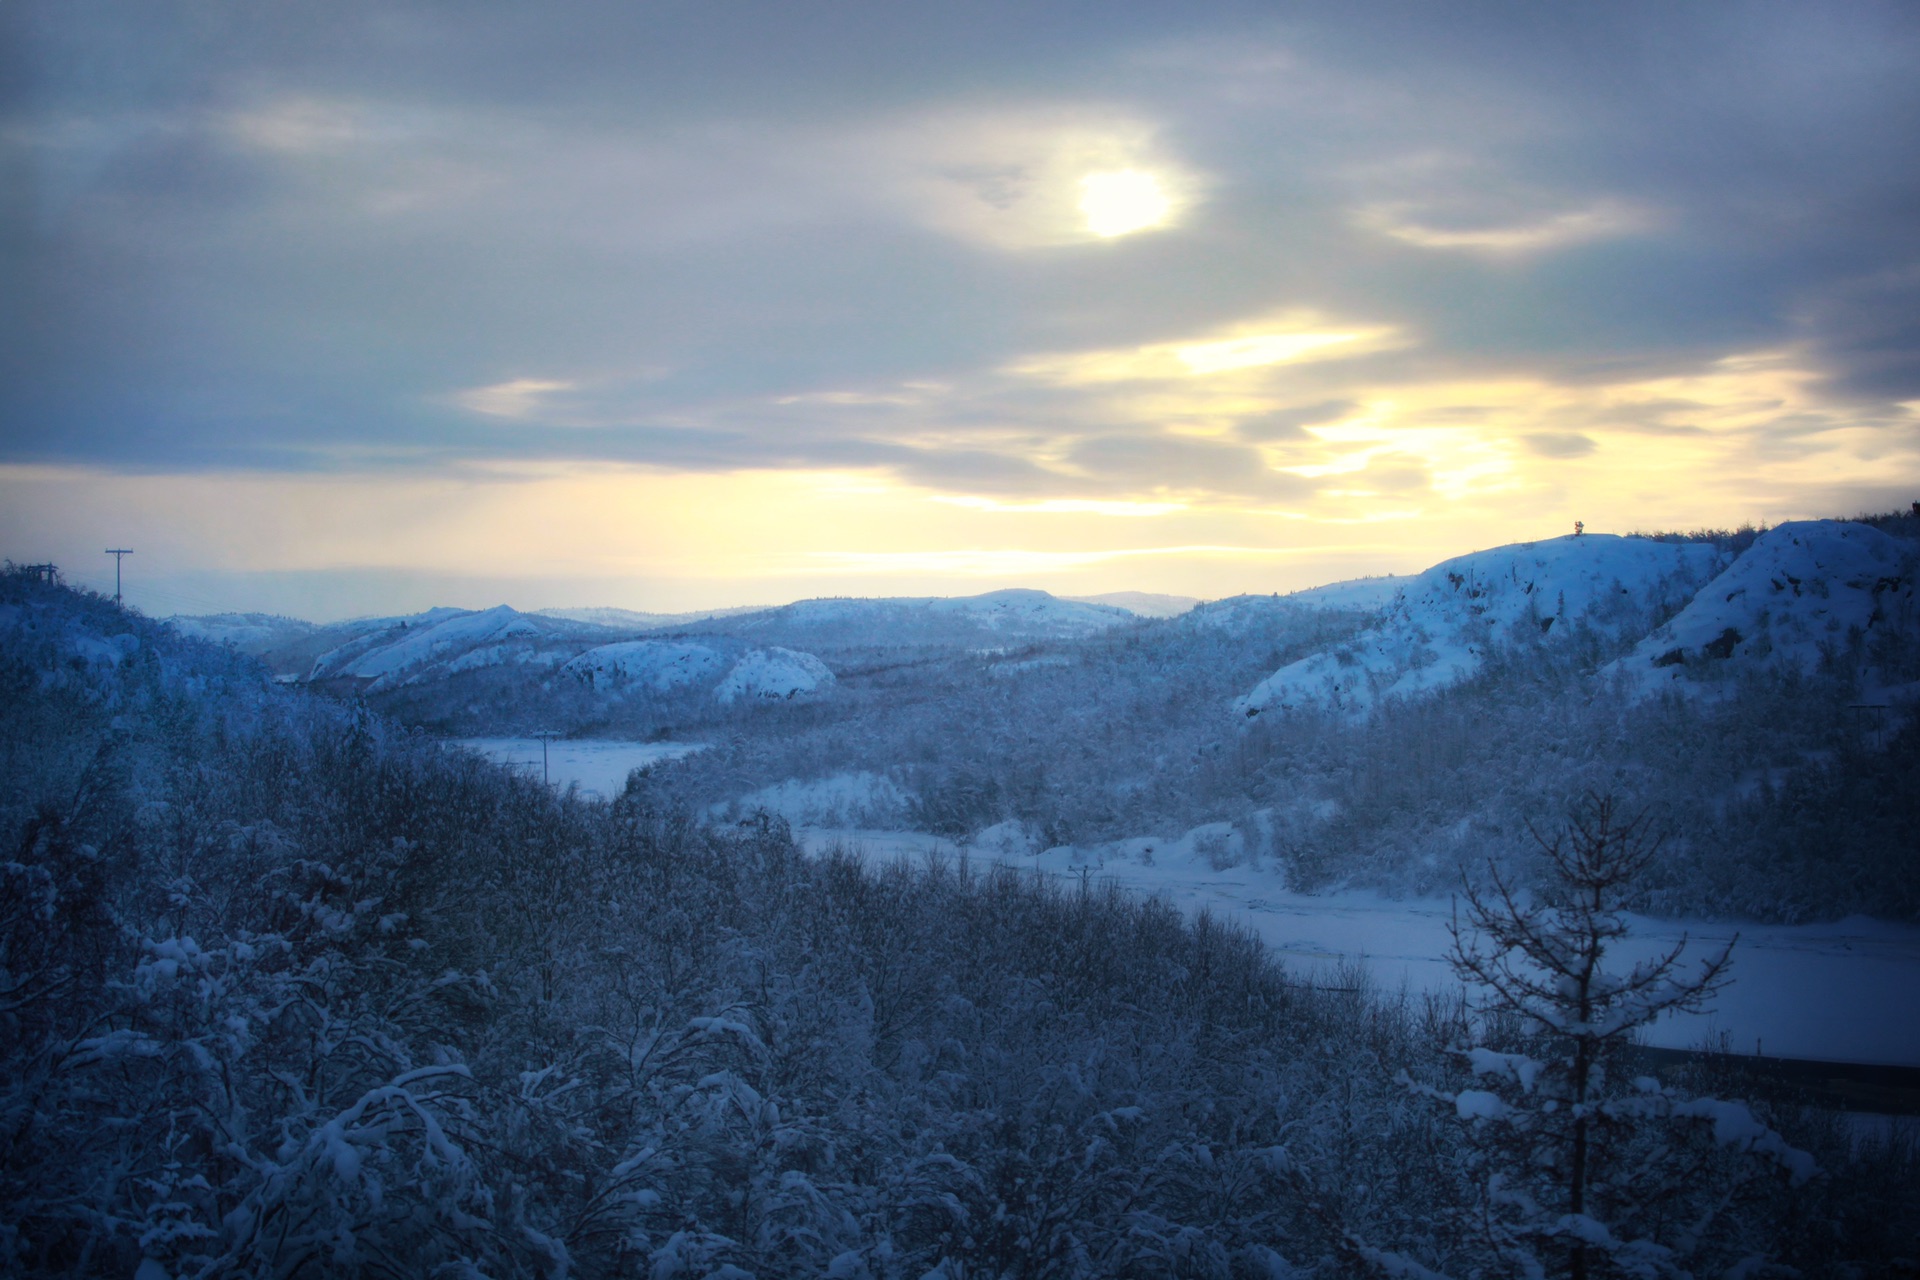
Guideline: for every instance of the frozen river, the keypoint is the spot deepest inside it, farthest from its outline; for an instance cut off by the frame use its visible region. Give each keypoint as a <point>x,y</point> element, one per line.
<point>598,766</point>
<point>1848,990</point>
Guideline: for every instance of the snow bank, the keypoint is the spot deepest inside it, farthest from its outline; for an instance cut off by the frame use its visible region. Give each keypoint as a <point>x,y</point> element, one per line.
<point>774,674</point>
<point>1438,628</point>
<point>1802,592</point>
<point>654,664</point>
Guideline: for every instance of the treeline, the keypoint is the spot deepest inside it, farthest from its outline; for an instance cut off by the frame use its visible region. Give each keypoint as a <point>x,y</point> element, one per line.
<point>286,990</point>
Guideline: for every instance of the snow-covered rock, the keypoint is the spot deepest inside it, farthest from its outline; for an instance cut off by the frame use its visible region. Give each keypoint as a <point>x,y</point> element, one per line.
<point>774,674</point>
<point>1803,591</point>
<point>1439,626</point>
<point>659,665</point>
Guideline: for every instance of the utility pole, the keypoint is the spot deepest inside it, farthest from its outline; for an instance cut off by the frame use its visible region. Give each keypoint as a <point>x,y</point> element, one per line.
<point>118,554</point>
<point>545,736</point>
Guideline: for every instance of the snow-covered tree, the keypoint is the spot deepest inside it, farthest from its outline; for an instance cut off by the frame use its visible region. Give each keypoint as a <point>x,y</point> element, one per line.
<point>1577,1167</point>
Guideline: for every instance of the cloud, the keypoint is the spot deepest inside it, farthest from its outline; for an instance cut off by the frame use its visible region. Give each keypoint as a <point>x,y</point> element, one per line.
<point>1247,347</point>
<point>515,398</point>
<point>1560,444</point>
<point>1291,424</point>
<point>363,246</point>
<point>1410,224</point>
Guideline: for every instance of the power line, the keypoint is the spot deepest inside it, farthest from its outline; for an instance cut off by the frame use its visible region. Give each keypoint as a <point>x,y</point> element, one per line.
<point>118,554</point>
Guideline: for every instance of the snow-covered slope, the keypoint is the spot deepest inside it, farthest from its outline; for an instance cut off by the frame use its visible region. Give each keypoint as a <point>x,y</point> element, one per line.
<point>1802,592</point>
<point>443,642</point>
<point>956,621</point>
<point>1236,615</point>
<point>638,620</point>
<point>1439,626</point>
<point>252,633</point>
<point>1355,593</point>
<point>652,664</point>
<point>774,674</point>
<point>1141,604</point>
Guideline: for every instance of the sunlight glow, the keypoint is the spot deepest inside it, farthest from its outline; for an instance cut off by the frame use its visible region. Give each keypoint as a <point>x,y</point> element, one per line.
<point>1064,506</point>
<point>1122,202</point>
<point>1285,340</point>
<point>1261,349</point>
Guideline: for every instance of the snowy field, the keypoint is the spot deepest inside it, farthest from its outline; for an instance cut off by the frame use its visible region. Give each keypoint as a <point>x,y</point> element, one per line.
<point>1848,990</point>
<point>599,767</point>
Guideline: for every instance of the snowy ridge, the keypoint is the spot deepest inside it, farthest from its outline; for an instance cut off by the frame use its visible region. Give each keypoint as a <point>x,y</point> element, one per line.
<point>655,664</point>
<point>640,620</point>
<point>951,621</point>
<point>439,644</point>
<point>1439,626</point>
<point>1141,604</point>
<point>1354,593</point>
<point>774,674</point>
<point>247,632</point>
<point>1804,592</point>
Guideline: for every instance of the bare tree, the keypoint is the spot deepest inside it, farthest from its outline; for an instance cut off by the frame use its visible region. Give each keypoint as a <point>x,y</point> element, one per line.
<point>1576,1169</point>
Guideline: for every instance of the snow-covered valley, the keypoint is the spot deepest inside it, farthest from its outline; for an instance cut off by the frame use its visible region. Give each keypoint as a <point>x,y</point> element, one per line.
<point>1840,991</point>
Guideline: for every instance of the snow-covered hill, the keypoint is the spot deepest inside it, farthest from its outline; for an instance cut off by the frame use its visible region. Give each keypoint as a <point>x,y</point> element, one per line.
<point>251,633</point>
<point>774,674</point>
<point>1354,593</point>
<point>1438,627</point>
<point>1803,593</point>
<point>1141,604</point>
<point>997,618</point>
<point>444,642</point>
<point>638,620</point>
<point>1238,614</point>
<point>653,664</point>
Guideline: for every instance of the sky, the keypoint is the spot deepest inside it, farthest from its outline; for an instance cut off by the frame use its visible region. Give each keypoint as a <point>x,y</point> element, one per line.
<point>360,308</point>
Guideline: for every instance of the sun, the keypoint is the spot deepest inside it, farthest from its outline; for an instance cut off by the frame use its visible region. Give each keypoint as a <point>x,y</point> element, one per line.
<point>1123,201</point>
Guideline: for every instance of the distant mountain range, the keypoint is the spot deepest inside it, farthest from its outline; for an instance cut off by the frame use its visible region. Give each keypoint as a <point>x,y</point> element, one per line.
<point>1686,612</point>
